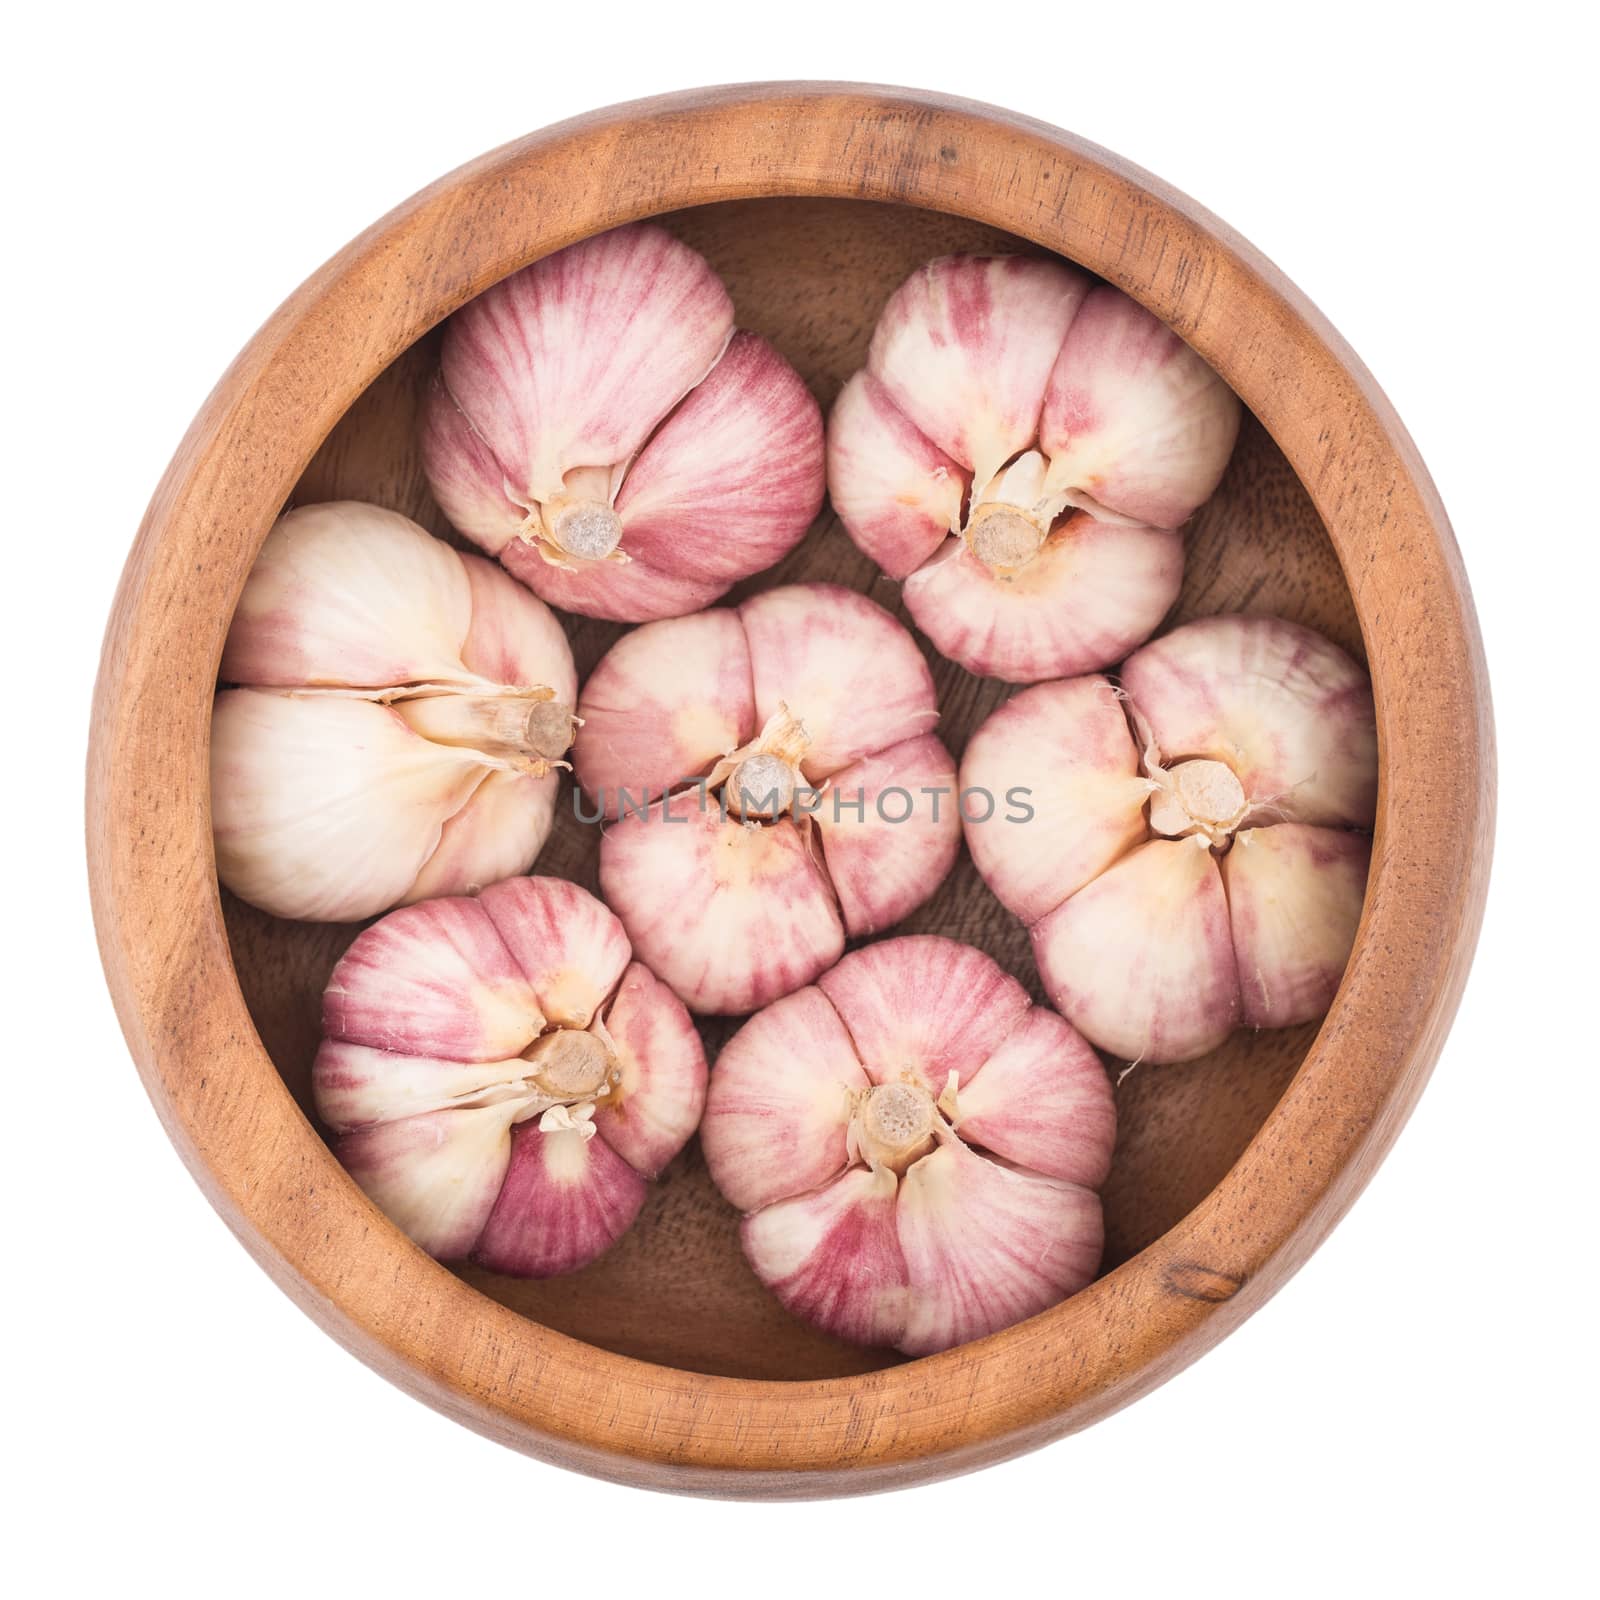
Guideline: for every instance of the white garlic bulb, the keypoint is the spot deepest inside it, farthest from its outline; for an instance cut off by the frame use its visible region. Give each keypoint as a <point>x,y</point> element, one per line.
<point>399,712</point>
<point>601,427</point>
<point>503,1079</point>
<point>798,795</point>
<point>915,1147</point>
<point>1020,450</point>
<point>1198,855</point>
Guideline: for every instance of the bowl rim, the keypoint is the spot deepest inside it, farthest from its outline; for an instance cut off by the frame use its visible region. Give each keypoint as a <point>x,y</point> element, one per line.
<point>158,912</point>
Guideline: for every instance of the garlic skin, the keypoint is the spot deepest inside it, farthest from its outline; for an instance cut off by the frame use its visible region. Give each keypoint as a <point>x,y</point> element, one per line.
<point>730,914</point>
<point>1092,589</point>
<point>1068,745</point>
<point>1020,451</point>
<point>1294,899</point>
<point>1141,959</point>
<point>666,701</point>
<point>1133,418</point>
<point>880,874</point>
<point>1289,712</point>
<point>400,712</point>
<point>915,1146</point>
<point>773,788</point>
<point>599,425</point>
<point>1198,855</point>
<point>503,1078</point>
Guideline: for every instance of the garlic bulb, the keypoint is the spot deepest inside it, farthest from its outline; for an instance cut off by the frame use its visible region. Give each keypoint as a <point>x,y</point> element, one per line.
<point>1020,449</point>
<point>777,784</point>
<point>599,426</point>
<point>400,712</point>
<point>916,1148</point>
<point>504,1078</point>
<point>1190,866</point>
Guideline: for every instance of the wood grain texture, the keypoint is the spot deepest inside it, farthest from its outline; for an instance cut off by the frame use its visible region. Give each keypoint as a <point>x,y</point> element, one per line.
<point>664,1364</point>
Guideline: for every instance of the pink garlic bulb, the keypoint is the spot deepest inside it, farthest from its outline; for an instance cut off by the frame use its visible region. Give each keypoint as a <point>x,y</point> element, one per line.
<point>915,1146</point>
<point>401,712</point>
<point>1020,450</point>
<point>503,1078</point>
<point>599,426</point>
<point>777,785</point>
<point>1190,866</point>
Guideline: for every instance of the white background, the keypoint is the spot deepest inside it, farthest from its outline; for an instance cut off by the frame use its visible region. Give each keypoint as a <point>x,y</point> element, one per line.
<point>1414,1410</point>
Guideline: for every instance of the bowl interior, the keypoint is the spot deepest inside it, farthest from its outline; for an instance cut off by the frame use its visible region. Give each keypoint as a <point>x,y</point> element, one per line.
<point>812,275</point>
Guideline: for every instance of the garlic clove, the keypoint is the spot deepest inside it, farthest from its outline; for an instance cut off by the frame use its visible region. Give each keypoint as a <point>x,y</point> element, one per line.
<point>325,808</point>
<point>1294,897</point>
<point>514,638</point>
<point>780,1101</point>
<point>628,591</point>
<point>572,361</point>
<point>434,1176</point>
<point>1141,959</point>
<point>565,1200</point>
<point>660,1074</point>
<point>965,348</point>
<point>1287,710</point>
<point>840,664</point>
<point>833,1258</point>
<point>1043,1101</point>
<point>348,595</point>
<point>1064,751</point>
<point>896,492</point>
<point>891,831</point>
<point>1092,592</point>
<point>986,1246</point>
<point>569,947</point>
<point>433,980</point>
<point>467,482</point>
<point>731,916</point>
<point>1133,418</point>
<point>1021,484</point>
<point>494,835</point>
<point>662,705</point>
<point>732,479</point>
<point>355,1085</point>
<point>922,1007</point>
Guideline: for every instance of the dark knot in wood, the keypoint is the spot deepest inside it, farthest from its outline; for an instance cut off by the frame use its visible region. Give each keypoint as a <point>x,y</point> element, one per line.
<point>1194,1281</point>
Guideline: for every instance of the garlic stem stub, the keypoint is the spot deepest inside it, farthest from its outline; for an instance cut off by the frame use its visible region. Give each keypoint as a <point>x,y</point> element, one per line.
<point>503,1079</point>
<point>1020,450</point>
<point>773,786</point>
<point>598,424</point>
<point>1198,854</point>
<point>398,714</point>
<point>915,1146</point>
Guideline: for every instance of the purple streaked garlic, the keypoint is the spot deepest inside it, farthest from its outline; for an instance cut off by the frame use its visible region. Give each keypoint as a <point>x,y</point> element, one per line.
<point>1020,449</point>
<point>1198,853</point>
<point>598,424</point>
<point>916,1148</point>
<point>503,1079</point>
<point>400,711</point>
<point>776,788</point>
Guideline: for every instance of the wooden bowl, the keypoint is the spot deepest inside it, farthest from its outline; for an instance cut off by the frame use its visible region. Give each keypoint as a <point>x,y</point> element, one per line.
<point>665,1364</point>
